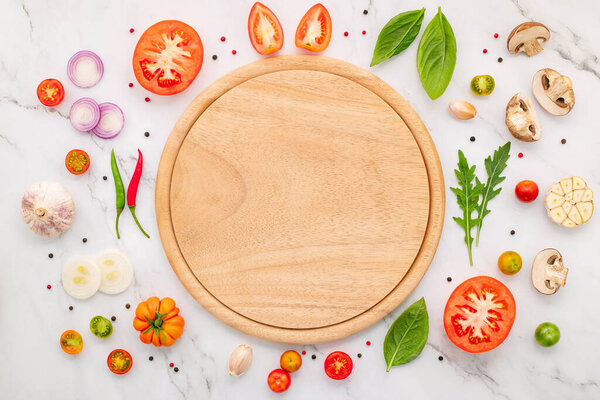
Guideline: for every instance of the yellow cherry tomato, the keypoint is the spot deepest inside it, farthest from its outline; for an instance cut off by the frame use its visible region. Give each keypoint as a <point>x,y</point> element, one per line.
<point>510,262</point>
<point>290,361</point>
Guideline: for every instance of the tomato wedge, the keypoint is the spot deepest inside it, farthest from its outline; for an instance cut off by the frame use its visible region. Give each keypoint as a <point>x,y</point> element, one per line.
<point>264,29</point>
<point>338,365</point>
<point>50,92</point>
<point>479,314</point>
<point>77,161</point>
<point>119,361</point>
<point>314,30</point>
<point>168,57</point>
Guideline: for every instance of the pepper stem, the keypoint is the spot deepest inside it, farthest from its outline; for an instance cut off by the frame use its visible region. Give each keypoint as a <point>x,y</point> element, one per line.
<point>119,211</point>
<point>132,208</point>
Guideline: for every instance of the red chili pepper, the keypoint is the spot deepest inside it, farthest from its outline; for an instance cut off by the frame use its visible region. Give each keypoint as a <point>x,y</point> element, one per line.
<point>132,190</point>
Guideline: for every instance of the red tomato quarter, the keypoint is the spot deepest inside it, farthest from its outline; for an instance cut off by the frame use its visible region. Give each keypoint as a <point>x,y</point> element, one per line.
<point>279,380</point>
<point>314,30</point>
<point>119,361</point>
<point>527,191</point>
<point>168,57</point>
<point>264,29</point>
<point>479,314</point>
<point>50,92</point>
<point>338,365</point>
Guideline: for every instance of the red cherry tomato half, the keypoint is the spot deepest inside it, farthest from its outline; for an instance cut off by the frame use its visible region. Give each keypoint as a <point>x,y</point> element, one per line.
<point>119,361</point>
<point>527,191</point>
<point>314,30</point>
<point>50,92</point>
<point>479,314</point>
<point>264,29</point>
<point>77,161</point>
<point>279,380</point>
<point>338,365</point>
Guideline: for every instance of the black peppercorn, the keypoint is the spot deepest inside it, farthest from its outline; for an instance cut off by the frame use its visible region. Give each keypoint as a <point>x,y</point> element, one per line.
<point>50,255</point>
<point>472,138</point>
<point>84,240</point>
<point>449,279</point>
<point>512,232</point>
<point>214,56</point>
<point>113,318</point>
<point>563,141</point>
<point>359,355</point>
<point>150,358</point>
<point>146,134</point>
<point>440,358</point>
<point>127,305</point>
<point>499,59</point>
<point>365,12</point>
<point>71,308</point>
<point>176,369</point>
<point>313,357</point>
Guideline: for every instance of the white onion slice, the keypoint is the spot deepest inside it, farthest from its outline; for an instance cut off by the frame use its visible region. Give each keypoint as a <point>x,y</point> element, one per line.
<point>81,278</point>
<point>116,271</point>
<point>85,69</point>
<point>111,121</point>
<point>84,114</point>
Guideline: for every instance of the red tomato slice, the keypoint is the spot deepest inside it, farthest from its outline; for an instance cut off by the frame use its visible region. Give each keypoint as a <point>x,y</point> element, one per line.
<point>77,161</point>
<point>338,365</point>
<point>50,92</point>
<point>168,57</point>
<point>264,29</point>
<point>119,361</point>
<point>479,314</point>
<point>314,30</point>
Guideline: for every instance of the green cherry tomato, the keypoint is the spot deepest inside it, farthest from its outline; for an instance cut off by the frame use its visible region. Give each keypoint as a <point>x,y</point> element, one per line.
<point>101,327</point>
<point>547,334</point>
<point>482,85</point>
<point>510,262</point>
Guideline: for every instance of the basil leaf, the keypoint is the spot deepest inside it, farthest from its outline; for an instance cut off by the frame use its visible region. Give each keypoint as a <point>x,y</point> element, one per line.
<point>436,56</point>
<point>397,35</point>
<point>407,336</point>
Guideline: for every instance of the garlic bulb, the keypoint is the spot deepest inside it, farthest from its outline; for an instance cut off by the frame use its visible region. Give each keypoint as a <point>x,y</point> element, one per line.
<point>47,208</point>
<point>240,360</point>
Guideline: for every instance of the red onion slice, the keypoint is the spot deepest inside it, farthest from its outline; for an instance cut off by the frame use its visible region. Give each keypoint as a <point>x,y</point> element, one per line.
<point>111,121</point>
<point>84,114</point>
<point>85,68</point>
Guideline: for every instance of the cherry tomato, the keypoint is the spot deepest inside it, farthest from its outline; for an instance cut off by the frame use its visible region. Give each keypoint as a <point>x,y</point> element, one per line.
<point>290,361</point>
<point>77,161</point>
<point>479,314</point>
<point>279,380</point>
<point>264,29</point>
<point>71,342</point>
<point>119,361</point>
<point>314,30</point>
<point>338,365</point>
<point>527,191</point>
<point>168,57</point>
<point>482,85</point>
<point>510,262</point>
<point>547,334</point>
<point>50,92</point>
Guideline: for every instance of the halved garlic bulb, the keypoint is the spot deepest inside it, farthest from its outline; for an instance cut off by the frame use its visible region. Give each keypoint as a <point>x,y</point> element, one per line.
<point>48,208</point>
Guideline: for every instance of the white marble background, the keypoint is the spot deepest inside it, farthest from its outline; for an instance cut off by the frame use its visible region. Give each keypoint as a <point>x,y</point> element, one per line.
<point>37,37</point>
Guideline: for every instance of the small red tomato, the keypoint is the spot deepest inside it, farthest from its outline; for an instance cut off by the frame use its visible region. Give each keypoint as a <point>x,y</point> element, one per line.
<point>77,161</point>
<point>119,361</point>
<point>279,380</point>
<point>50,92</point>
<point>527,191</point>
<point>338,365</point>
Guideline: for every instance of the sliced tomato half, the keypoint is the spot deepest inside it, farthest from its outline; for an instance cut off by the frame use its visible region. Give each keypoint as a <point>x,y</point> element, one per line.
<point>314,30</point>
<point>119,361</point>
<point>479,314</point>
<point>264,29</point>
<point>50,92</point>
<point>168,57</point>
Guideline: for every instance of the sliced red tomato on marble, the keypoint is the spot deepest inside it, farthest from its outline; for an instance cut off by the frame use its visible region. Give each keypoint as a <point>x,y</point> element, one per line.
<point>168,57</point>
<point>50,92</point>
<point>264,29</point>
<point>119,361</point>
<point>314,30</point>
<point>338,365</point>
<point>479,314</point>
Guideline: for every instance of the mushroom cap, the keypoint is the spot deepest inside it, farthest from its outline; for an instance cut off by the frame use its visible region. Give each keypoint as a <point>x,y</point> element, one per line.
<point>527,32</point>
<point>522,120</point>
<point>548,273</point>
<point>553,91</point>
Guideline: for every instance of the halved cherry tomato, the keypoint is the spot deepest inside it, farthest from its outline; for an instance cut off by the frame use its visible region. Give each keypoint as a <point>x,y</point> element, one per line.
<point>77,161</point>
<point>479,314</point>
<point>71,342</point>
<point>119,361</point>
<point>264,29</point>
<point>527,191</point>
<point>279,380</point>
<point>168,57</point>
<point>338,365</point>
<point>314,30</point>
<point>290,361</point>
<point>50,92</point>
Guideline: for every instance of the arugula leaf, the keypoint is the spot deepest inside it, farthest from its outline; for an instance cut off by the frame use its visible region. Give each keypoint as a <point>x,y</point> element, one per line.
<point>407,336</point>
<point>397,35</point>
<point>436,56</point>
<point>467,197</point>
<point>494,167</point>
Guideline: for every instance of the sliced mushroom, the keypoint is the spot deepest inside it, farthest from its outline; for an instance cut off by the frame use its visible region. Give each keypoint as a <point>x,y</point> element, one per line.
<point>548,273</point>
<point>527,38</point>
<point>522,120</point>
<point>553,91</point>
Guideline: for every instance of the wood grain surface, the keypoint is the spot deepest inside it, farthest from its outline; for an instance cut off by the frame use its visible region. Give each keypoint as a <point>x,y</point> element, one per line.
<point>299,199</point>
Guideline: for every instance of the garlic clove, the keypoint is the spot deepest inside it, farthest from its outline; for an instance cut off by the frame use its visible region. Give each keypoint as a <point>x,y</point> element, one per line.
<point>461,109</point>
<point>48,208</point>
<point>240,360</point>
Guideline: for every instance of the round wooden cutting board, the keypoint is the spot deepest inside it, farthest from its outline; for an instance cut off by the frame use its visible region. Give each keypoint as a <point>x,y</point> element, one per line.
<point>300,199</point>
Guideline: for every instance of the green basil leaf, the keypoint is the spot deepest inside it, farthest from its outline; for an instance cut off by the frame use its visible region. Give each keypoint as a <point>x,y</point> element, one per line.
<point>407,336</point>
<point>436,56</point>
<point>397,35</point>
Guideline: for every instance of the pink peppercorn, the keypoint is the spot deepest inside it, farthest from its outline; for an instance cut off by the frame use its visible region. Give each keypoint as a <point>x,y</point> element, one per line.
<point>130,84</point>
<point>345,33</point>
<point>520,155</point>
<point>131,30</point>
<point>171,365</point>
<point>49,287</point>
<point>368,342</point>
<point>364,32</point>
<point>303,352</point>
<point>233,52</point>
<point>147,99</point>
<point>484,51</point>
<point>222,38</point>
<point>495,35</point>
